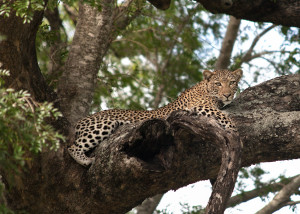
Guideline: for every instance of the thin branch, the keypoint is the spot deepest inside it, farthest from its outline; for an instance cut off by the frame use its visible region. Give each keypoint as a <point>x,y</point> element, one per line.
<point>247,56</point>
<point>260,54</point>
<point>258,37</point>
<point>273,64</point>
<point>282,197</point>
<point>149,205</point>
<point>263,191</point>
<point>135,42</point>
<point>291,203</point>
<point>73,14</point>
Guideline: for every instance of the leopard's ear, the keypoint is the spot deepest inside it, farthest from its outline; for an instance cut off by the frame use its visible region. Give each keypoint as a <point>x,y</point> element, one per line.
<point>207,74</point>
<point>238,73</point>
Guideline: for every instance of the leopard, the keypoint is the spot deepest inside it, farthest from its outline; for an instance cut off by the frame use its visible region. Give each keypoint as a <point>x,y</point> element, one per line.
<point>206,98</point>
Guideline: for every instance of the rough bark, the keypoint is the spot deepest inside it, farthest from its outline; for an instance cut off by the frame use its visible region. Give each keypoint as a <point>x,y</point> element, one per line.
<point>148,154</point>
<point>232,30</point>
<point>90,43</point>
<point>95,30</point>
<point>281,12</point>
<point>269,114</point>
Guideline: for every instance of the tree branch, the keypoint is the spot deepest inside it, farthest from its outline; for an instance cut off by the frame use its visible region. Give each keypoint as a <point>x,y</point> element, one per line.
<point>248,56</point>
<point>94,33</point>
<point>258,192</point>
<point>228,43</point>
<point>149,205</point>
<point>90,43</point>
<point>282,197</point>
<point>141,160</point>
<point>55,64</point>
<point>282,12</point>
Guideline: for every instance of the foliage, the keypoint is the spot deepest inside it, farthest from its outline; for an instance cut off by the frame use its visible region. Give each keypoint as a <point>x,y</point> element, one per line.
<point>153,59</point>
<point>24,130</point>
<point>24,9</point>
<point>185,209</point>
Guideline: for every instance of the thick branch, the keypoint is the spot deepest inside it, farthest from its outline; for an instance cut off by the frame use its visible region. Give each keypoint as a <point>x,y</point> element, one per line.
<point>94,33</point>
<point>282,12</point>
<point>148,150</point>
<point>90,43</point>
<point>268,119</point>
<point>141,160</point>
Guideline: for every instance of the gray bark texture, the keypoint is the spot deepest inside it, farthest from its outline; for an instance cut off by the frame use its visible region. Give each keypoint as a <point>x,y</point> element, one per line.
<point>90,44</point>
<point>95,30</point>
<point>268,118</point>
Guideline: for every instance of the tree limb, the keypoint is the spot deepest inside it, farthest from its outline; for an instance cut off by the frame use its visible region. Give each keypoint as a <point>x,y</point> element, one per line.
<point>90,43</point>
<point>280,12</point>
<point>248,56</point>
<point>258,192</point>
<point>94,33</point>
<point>149,205</point>
<point>141,160</point>
<point>232,30</point>
<point>282,197</point>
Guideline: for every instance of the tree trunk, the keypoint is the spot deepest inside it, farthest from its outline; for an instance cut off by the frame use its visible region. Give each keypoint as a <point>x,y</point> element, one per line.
<point>90,44</point>
<point>18,55</point>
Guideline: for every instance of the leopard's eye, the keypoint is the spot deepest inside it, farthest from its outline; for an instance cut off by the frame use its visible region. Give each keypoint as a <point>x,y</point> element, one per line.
<point>218,83</point>
<point>232,82</point>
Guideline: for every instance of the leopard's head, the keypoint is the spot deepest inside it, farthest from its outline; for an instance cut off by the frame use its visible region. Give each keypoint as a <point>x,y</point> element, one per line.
<point>223,84</point>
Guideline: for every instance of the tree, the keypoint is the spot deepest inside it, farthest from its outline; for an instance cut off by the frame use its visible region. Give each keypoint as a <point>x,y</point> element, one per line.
<point>71,188</point>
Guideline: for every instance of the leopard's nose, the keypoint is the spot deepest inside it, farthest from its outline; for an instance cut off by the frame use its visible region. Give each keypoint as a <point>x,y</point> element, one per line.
<point>227,95</point>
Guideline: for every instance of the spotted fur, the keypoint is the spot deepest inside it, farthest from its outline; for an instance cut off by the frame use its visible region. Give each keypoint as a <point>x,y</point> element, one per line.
<point>205,98</point>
